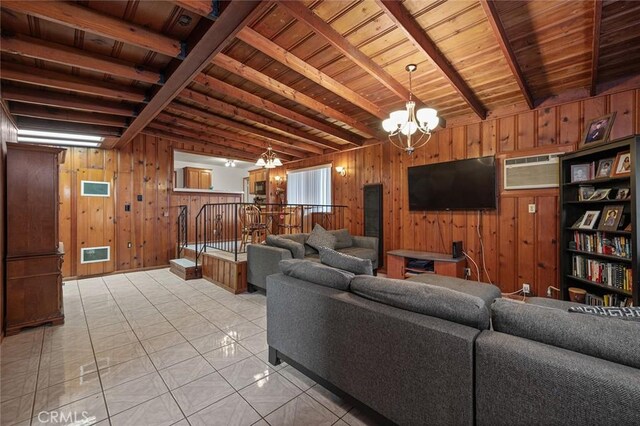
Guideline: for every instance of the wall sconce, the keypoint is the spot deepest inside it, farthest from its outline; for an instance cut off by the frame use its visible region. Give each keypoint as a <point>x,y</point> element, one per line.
<point>278,178</point>
<point>341,170</point>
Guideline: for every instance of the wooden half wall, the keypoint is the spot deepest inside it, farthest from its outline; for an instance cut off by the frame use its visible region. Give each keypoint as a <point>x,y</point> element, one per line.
<point>146,235</point>
<point>518,246</point>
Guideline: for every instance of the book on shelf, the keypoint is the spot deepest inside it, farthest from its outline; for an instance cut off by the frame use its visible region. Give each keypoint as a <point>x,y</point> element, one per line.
<point>609,274</point>
<point>608,300</point>
<point>601,243</point>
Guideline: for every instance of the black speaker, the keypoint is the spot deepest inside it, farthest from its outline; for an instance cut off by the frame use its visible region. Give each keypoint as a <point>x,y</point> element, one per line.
<point>373,216</point>
<point>456,249</point>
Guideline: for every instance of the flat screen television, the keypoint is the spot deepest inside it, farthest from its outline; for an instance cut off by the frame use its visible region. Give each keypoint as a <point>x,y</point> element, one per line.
<point>454,185</point>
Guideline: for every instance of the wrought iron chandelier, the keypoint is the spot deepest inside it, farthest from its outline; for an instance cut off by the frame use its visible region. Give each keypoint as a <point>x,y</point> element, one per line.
<point>269,159</point>
<point>402,125</point>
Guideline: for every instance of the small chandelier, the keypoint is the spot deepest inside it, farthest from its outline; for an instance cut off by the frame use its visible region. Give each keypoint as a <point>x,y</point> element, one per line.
<point>403,124</point>
<point>229,163</point>
<point>269,159</point>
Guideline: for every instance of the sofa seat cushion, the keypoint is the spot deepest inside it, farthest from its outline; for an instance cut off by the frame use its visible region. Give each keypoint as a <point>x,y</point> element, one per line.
<point>316,273</point>
<point>361,252</point>
<point>435,301</point>
<point>486,292</point>
<point>315,257</point>
<point>296,249</point>
<point>600,337</point>
<point>343,238</point>
<point>346,262</point>
<point>320,237</point>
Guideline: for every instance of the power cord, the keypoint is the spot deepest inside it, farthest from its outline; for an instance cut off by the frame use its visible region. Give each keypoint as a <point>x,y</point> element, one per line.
<point>474,263</point>
<point>484,263</point>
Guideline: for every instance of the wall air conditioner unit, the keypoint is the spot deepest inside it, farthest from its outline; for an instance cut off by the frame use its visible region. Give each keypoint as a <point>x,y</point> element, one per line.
<point>537,171</point>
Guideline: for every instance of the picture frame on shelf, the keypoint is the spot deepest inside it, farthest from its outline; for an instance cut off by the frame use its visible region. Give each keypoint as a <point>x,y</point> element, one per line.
<point>590,219</point>
<point>580,172</point>
<point>577,223</point>
<point>600,194</point>
<point>597,130</point>
<point>585,192</point>
<point>622,165</point>
<point>605,166</point>
<point>623,194</point>
<point>611,216</point>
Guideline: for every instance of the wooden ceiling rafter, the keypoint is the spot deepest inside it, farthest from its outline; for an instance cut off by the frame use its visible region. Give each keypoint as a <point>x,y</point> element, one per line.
<point>66,127</point>
<point>83,18</point>
<point>501,36</point>
<point>220,106</point>
<point>63,81</point>
<point>414,32</point>
<point>231,65</point>
<point>62,100</point>
<point>249,98</point>
<point>595,45</point>
<point>61,54</point>
<point>189,127</point>
<point>204,8</point>
<point>71,116</point>
<point>207,46</point>
<point>274,51</point>
<point>270,136</point>
<point>299,11</point>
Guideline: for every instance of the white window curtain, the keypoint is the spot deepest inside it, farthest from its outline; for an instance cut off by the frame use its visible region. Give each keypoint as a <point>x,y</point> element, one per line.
<point>310,186</point>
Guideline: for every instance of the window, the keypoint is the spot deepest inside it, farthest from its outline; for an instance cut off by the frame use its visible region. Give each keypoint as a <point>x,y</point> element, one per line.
<point>310,186</point>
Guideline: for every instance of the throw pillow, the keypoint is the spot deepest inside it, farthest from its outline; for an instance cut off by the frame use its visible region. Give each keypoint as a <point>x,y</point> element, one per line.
<point>625,313</point>
<point>345,262</point>
<point>320,237</point>
<point>296,249</point>
<point>316,273</point>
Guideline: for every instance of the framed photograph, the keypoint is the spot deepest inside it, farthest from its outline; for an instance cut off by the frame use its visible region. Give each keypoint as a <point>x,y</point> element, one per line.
<point>597,130</point>
<point>605,166</point>
<point>622,165</point>
<point>580,172</point>
<point>585,192</point>
<point>600,194</point>
<point>590,219</point>
<point>578,222</point>
<point>623,194</point>
<point>611,216</point>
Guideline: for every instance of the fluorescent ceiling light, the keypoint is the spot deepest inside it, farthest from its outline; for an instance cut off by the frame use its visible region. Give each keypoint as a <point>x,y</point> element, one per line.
<point>57,141</point>
<point>72,136</point>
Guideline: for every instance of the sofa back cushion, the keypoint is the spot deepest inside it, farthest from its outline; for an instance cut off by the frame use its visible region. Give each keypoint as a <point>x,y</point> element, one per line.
<point>296,249</point>
<point>425,299</point>
<point>343,238</point>
<point>345,262</point>
<point>316,273</point>
<point>606,338</point>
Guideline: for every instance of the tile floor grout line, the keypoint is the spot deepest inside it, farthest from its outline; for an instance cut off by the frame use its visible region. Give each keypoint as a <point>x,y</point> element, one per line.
<point>35,391</point>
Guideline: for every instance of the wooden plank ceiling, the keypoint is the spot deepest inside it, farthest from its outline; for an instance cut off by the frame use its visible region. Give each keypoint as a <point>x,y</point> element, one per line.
<point>307,77</point>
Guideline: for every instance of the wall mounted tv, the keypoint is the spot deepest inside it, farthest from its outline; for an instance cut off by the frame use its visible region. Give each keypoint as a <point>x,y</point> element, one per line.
<point>454,185</point>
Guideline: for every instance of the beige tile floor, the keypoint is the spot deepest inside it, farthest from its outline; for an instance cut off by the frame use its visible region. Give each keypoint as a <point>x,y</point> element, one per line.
<point>148,348</point>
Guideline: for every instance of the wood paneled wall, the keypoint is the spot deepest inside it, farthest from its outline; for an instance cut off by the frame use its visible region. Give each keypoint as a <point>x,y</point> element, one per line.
<point>518,246</point>
<point>8,133</point>
<point>143,168</point>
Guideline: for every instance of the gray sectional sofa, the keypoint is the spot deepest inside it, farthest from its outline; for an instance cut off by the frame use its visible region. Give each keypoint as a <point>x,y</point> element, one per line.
<point>428,355</point>
<point>262,259</point>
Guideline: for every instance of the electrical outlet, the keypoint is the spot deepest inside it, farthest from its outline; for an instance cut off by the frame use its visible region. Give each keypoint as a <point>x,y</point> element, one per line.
<point>467,272</point>
<point>129,245</point>
<point>526,288</point>
<point>532,208</point>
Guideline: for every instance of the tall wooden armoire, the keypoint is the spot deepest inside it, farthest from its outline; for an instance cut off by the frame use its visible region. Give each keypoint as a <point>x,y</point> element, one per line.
<point>34,258</point>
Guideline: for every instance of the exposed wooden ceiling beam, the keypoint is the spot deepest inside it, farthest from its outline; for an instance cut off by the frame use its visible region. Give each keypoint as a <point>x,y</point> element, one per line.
<point>236,16</point>
<point>272,137</point>
<point>204,8</point>
<point>501,36</point>
<point>595,45</point>
<point>414,32</point>
<point>229,64</point>
<point>83,18</point>
<point>214,149</point>
<point>58,80</point>
<point>177,126</point>
<point>48,113</point>
<point>61,100</point>
<point>300,11</point>
<point>220,106</point>
<point>67,127</point>
<point>271,49</point>
<point>266,105</point>
<point>61,54</point>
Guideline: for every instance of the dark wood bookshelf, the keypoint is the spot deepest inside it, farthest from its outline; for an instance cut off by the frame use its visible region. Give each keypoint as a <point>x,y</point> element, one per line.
<point>571,209</point>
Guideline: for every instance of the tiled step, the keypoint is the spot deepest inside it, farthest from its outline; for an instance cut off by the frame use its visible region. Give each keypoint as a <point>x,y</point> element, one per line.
<point>185,269</point>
